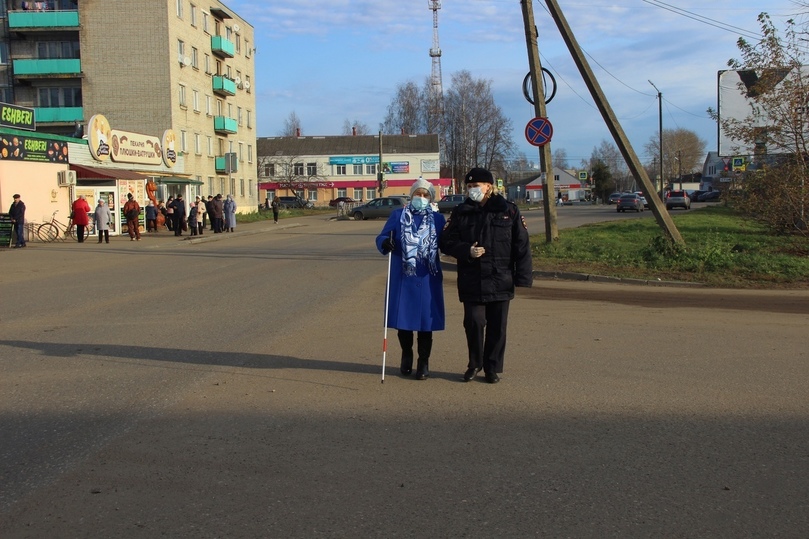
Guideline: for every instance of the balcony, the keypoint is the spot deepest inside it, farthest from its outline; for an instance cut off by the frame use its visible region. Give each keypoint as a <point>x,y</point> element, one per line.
<point>43,20</point>
<point>58,114</point>
<point>223,86</point>
<point>58,68</point>
<point>225,125</point>
<point>221,165</point>
<point>224,48</point>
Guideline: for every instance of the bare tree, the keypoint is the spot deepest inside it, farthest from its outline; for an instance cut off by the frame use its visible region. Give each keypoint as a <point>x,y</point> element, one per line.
<point>406,111</point>
<point>292,126</point>
<point>608,156</point>
<point>292,172</point>
<point>560,158</point>
<point>683,152</point>
<point>355,128</point>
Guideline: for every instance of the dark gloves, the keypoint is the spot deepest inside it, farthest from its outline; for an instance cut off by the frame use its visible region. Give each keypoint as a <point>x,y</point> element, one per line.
<point>387,245</point>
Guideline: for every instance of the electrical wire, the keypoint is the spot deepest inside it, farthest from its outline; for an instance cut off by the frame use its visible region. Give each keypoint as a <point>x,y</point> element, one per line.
<point>705,20</point>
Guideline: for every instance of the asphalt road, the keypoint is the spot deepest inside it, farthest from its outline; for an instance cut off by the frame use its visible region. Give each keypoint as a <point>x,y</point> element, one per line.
<point>231,388</point>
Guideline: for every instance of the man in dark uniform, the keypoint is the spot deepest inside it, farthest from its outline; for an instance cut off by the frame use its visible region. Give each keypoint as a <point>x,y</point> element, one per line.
<point>179,214</point>
<point>487,236</point>
<point>17,214</point>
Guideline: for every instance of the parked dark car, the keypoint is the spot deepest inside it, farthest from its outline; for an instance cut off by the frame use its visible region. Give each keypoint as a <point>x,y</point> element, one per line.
<point>336,201</point>
<point>614,198</point>
<point>378,207</point>
<point>678,199</point>
<point>710,196</point>
<point>446,204</point>
<point>293,202</point>
<point>694,195</point>
<point>630,201</point>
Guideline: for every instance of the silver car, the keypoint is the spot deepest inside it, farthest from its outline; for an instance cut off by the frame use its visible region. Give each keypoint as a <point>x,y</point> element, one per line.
<point>378,207</point>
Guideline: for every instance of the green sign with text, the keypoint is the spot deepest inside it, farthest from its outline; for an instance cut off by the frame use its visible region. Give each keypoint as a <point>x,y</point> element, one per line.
<point>17,117</point>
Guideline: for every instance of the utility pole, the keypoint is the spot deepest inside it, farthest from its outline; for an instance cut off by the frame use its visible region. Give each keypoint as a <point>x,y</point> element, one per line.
<point>380,176</point>
<point>661,215</point>
<point>660,133</point>
<point>540,110</point>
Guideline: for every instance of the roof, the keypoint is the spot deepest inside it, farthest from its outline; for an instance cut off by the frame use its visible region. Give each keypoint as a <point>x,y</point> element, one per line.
<point>346,145</point>
<point>83,172</point>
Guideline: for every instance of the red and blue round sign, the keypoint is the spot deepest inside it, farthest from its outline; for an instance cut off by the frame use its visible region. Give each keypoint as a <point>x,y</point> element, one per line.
<point>538,132</point>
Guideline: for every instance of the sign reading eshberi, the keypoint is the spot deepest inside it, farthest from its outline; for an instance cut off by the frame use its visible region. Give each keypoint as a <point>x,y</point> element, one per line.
<point>17,117</point>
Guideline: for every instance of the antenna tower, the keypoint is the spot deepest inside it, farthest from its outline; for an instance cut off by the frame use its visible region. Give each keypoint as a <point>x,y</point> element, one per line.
<point>436,84</point>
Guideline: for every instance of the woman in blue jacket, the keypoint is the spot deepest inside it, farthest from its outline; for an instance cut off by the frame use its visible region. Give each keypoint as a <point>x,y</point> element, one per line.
<point>416,301</point>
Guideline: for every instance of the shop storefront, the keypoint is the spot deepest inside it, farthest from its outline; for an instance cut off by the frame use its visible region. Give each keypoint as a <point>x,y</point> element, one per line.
<point>321,193</point>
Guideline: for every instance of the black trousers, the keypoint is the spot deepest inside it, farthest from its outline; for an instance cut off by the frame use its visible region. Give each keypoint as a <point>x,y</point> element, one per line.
<point>178,224</point>
<point>485,325</point>
<point>103,234</point>
<point>80,233</point>
<point>425,344</point>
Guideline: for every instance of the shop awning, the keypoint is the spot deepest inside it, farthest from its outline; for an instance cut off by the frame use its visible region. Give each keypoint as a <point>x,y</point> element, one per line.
<point>175,180</point>
<point>93,173</point>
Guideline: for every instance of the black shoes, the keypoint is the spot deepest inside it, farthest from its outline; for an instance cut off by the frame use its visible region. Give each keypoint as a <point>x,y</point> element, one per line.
<point>492,378</point>
<point>470,374</point>
<point>422,370</point>
<point>406,366</point>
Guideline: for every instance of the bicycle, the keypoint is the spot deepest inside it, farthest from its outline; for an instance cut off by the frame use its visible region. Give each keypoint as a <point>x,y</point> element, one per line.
<point>56,230</point>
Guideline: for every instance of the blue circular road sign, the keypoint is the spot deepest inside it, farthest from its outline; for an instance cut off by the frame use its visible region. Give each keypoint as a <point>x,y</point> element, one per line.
<point>539,131</point>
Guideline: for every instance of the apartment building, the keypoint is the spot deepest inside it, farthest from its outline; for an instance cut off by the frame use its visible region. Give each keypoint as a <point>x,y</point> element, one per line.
<point>149,67</point>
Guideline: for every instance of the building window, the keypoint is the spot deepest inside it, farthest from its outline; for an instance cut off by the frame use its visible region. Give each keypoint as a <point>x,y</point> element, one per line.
<point>241,152</point>
<point>298,169</point>
<point>197,144</point>
<point>180,8</point>
<point>357,194</point>
<point>3,53</point>
<point>183,141</point>
<point>312,195</point>
<point>195,97</point>
<point>371,192</point>
<point>180,48</point>
<point>232,186</point>
<point>59,97</point>
<point>198,188</point>
<point>269,170</point>
<point>228,33</point>
<point>210,145</point>
<point>208,105</point>
<point>194,58</point>
<point>218,67</point>
<point>230,110</point>
<point>370,169</point>
<point>241,187</point>
<point>208,64</point>
<point>249,119</point>
<point>182,96</point>
<point>249,153</point>
<point>311,169</point>
<point>247,83</point>
<point>193,15</point>
<point>358,170</point>
<point>250,188</point>
<point>247,50</point>
<point>340,170</point>
<point>219,107</point>
<point>206,21</point>
<point>238,44</point>
<point>58,49</point>
<point>222,186</point>
<point>210,185</point>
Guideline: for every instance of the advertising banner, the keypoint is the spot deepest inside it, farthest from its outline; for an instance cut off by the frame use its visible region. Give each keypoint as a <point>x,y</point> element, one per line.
<point>19,148</point>
<point>17,117</point>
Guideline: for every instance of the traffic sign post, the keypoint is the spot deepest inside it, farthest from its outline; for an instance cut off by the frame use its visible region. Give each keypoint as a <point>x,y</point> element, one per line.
<point>538,132</point>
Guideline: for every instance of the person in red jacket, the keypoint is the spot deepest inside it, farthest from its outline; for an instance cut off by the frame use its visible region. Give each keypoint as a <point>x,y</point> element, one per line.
<point>80,216</point>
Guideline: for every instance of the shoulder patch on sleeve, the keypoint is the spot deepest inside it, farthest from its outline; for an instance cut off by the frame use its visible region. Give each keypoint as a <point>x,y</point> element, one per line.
<point>524,225</point>
<point>449,219</point>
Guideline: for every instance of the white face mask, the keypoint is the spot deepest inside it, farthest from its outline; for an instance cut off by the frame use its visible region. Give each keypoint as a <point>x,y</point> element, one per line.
<point>476,194</point>
<point>419,203</point>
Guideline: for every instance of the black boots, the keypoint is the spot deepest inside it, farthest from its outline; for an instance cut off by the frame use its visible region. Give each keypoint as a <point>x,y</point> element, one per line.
<point>425,346</point>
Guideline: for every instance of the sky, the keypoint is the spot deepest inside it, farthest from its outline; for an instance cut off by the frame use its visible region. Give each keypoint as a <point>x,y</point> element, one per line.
<point>329,61</point>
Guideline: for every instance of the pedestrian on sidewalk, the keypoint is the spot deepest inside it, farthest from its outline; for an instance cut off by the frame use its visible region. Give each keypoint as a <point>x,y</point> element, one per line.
<point>102,217</point>
<point>132,216</point>
<point>81,218</point>
<point>17,214</point>
<point>275,207</point>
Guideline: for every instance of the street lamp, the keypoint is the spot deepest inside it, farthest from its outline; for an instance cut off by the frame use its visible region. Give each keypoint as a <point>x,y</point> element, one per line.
<point>660,132</point>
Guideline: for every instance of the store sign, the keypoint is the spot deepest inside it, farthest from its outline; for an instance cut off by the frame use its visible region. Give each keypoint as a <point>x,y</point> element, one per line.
<point>127,147</point>
<point>17,148</point>
<point>169,153</point>
<point>368,160</point>
<point>17,117</point>
<point>98,137</point>
<point>398,167</point>
<point>430,165</point>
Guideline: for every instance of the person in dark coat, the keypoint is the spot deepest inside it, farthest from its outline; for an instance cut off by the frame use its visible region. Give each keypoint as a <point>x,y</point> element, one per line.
<point>132,216</point>
<point>178,205</point>
<point>276,204</point>
<point>151,217</point>
<point>489,239</point>
<point>209,210</point>
<point>218,214</point>
<point>17,214</point>
<point>416,299</point>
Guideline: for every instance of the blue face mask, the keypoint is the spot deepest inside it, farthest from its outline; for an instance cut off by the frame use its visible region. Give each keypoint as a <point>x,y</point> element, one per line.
<point>419,203</point>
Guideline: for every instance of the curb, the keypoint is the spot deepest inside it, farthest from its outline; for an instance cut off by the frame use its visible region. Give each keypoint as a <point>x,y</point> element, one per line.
<point>572,276</point>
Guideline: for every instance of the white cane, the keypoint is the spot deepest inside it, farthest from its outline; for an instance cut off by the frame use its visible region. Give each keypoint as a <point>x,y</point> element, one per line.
<point>387,297</point>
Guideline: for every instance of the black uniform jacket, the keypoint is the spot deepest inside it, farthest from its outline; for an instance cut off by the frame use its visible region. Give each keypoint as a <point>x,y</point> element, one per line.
<point>500,229</point>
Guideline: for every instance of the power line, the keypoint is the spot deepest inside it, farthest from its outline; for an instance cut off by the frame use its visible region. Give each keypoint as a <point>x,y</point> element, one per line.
<point>705,20</point>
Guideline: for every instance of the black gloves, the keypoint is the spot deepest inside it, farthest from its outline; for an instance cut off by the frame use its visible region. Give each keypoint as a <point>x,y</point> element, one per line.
<point>387,245</point>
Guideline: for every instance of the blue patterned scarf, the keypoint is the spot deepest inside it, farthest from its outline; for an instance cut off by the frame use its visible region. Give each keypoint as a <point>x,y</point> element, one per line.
<point>418,244</point>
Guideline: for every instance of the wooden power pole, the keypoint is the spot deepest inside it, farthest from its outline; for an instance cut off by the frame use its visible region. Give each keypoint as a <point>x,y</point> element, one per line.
<point>545,159</point>
<point>661,215</point>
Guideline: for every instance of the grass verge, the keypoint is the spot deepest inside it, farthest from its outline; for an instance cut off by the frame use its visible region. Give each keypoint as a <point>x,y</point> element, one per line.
<point>722,249</point>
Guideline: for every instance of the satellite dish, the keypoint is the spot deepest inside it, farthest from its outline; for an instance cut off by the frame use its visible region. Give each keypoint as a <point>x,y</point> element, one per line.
<point>186,61</point>
<point>237,80</point>
<point>236,28</point>
<point>247,85</point>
